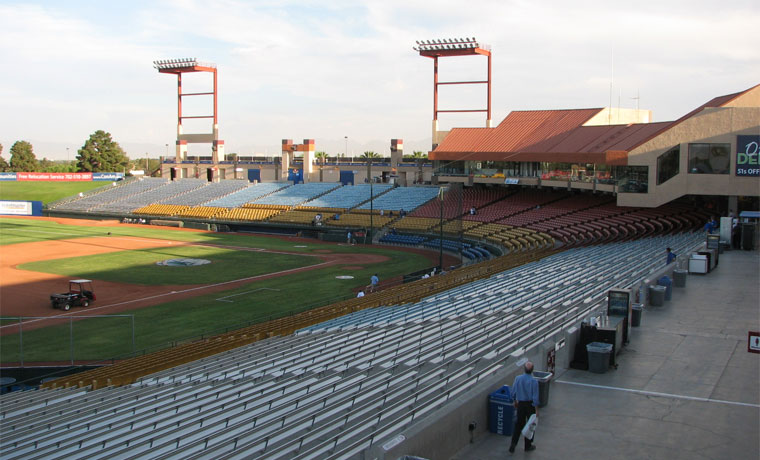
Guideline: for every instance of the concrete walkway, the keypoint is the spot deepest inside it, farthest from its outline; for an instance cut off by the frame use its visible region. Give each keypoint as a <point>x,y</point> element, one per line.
<point>685,387</point>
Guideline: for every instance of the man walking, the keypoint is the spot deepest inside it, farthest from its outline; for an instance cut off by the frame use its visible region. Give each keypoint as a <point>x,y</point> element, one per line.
<point>525,391</point>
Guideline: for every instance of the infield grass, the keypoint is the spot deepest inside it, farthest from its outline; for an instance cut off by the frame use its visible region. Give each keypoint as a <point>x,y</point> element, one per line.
<point>140,266</point>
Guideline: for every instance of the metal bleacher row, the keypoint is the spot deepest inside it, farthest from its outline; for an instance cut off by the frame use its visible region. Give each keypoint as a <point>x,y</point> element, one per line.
<point>338,388</point>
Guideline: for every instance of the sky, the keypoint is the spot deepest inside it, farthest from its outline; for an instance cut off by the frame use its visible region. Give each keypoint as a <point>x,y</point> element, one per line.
<point>345,72</point>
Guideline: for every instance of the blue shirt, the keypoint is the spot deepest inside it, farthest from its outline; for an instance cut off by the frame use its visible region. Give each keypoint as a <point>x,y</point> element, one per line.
<point>525,388</point>
<point>374,280</point>
<point>671,257</point>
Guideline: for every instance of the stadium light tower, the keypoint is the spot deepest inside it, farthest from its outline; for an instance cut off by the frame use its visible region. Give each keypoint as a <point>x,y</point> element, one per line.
<point>187,65</point>
<point>455,47</point>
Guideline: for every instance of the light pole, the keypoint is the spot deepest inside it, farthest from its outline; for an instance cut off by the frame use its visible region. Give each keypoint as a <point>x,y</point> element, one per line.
<point>440,253</point>
<point>345,152</point>
<point>67,155</point>
<point>371,202</point>
<point>167,151</point>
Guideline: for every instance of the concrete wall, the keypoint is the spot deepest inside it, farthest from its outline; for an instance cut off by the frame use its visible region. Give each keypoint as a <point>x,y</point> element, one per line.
<point>446,430</point>
<point>712,125</point>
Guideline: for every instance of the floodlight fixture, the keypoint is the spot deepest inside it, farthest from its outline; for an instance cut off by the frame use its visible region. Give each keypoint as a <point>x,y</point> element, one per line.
<point>468,46</point>
<point>190,65</point>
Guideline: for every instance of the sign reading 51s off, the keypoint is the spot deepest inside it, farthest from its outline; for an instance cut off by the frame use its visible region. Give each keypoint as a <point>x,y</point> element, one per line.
<point>747,154</point>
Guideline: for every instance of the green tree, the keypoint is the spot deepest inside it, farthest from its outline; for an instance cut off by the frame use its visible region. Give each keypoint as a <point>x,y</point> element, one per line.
<point>101,154</point>
<point>369,155</point>
<point>322,157</point>
<point>22,157</point>
<point>45,165</point>
<point>4,166</point>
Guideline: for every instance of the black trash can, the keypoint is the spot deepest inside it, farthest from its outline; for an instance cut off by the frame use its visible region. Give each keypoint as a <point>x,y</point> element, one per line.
<point>598,356</point>
<point>544,379</point>
<point>657,296</point>
<point>636,310</point>
<point>501,411</point>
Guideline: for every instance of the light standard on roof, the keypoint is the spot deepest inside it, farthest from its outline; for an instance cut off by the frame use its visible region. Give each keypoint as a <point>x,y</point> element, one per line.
<point>345,152</point>
<point>441,192</point>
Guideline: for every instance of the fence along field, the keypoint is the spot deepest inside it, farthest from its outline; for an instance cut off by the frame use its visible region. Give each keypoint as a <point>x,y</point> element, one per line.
<point>206,311</point>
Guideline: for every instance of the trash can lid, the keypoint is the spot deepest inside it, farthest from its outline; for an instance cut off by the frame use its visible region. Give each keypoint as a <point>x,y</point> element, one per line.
<point>637,306</point>
<point>600,347</point>
<point>542,376</point>
<point>502,394</point>
<point>658,288</point>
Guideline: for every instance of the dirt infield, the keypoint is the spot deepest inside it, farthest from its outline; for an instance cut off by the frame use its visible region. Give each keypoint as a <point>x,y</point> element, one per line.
<point>26,293</point>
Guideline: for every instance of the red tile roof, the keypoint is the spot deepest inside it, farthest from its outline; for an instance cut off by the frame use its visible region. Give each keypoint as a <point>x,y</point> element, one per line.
<point>556,135</point>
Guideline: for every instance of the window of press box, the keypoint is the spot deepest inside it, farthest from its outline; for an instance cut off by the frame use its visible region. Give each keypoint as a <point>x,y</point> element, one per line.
<point>709,158</point>
<point>632,179</point>
<point>668,164</point>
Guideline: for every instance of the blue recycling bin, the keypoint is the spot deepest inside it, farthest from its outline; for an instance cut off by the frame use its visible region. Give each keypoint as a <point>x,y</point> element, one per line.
<point>668,283</point>
<point>501,411</point>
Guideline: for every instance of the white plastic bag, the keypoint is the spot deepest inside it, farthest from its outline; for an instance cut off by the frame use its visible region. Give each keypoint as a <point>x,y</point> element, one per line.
<point>530,427</point>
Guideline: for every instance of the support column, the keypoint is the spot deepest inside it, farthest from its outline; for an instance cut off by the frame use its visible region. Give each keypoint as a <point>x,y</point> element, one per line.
<point>308,158</point>
<point>435,134</point>
<point>489,122</point>
<point>287,150</point>
<point>217,151</point>
<point>397,153</point>
<point>181,152</point>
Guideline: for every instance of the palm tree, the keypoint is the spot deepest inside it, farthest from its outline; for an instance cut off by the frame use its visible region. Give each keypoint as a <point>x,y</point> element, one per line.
<point>369,155</point>
<point>322,157</point>
<point>420,157</point>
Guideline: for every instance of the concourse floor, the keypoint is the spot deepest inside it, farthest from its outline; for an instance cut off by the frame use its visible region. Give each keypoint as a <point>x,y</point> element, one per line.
<point>685,387</point>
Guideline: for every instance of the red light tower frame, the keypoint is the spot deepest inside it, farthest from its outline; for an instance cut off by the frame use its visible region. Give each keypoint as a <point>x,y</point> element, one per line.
<point>455,47</point>
<point>188,65</point>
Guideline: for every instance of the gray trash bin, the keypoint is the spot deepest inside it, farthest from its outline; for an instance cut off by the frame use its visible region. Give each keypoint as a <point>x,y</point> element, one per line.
<point>598,356</point>
<point>668,283</point>
<point>636,310</point>
<point>657,296</point>
<point>544,379</point>
<point>679,278</point>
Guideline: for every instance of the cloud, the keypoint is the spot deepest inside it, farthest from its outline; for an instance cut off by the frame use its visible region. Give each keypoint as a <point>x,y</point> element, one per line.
<point>306,69</point>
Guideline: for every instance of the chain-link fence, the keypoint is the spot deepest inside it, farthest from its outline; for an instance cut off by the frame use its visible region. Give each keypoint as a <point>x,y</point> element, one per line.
<point>65,339</point>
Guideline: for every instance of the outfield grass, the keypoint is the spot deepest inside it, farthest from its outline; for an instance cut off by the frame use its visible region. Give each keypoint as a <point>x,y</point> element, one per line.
<point>45,191</point>
<point>161,325</point>
<point>139,266</point>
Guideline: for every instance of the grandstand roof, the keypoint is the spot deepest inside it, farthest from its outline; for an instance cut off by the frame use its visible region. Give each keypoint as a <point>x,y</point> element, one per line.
<point>557,135</point>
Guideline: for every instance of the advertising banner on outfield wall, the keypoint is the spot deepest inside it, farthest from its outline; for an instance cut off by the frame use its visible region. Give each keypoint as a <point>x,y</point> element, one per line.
<point>21,208</point>
<point>62,177</point>
<point>112,176</point>
<point>747,154</point>
<point>67,177</point>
